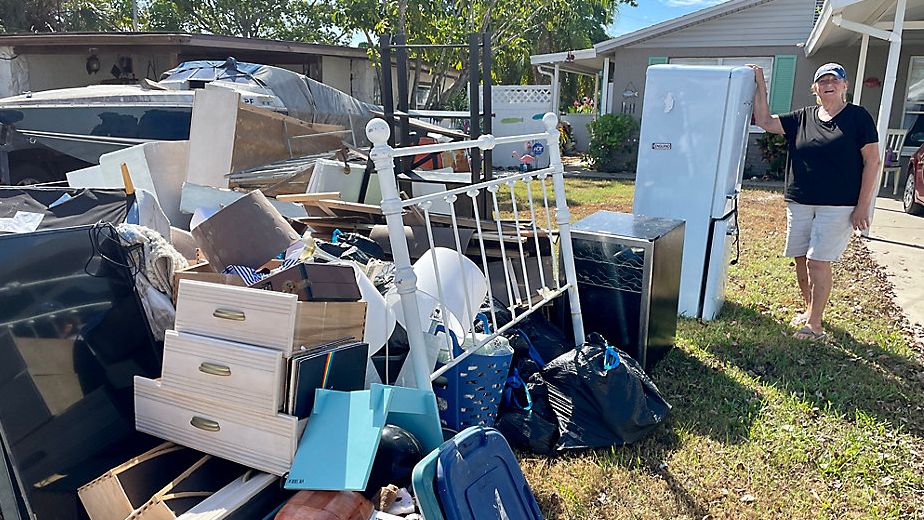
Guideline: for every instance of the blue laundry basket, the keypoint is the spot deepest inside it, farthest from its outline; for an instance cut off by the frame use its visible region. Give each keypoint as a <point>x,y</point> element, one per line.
<point>470,393</point>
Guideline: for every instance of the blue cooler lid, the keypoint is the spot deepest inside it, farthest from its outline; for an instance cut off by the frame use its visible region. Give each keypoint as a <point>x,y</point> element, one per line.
<point>478,477</point>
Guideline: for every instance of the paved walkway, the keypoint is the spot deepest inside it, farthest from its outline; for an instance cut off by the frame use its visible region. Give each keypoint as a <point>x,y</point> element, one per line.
<point>896,240</point>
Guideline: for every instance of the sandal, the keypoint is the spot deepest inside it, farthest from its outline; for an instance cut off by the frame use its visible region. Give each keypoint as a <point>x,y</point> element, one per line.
<point>806,333</point>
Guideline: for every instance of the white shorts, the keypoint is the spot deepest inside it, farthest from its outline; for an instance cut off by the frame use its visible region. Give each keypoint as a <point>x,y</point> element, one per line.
<point>817,232</point>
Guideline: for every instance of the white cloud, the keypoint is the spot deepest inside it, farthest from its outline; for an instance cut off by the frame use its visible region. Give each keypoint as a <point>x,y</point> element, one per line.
<point>691,3</point>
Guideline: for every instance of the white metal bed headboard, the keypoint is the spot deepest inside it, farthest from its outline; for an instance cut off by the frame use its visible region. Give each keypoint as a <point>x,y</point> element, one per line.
<point>383,155</point>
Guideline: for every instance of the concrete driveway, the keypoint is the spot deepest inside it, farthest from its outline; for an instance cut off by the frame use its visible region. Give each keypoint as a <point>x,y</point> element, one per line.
<point>896,241</point>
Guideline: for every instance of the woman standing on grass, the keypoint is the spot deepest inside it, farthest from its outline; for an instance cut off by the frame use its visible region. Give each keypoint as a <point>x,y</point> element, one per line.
<point>830,183</point>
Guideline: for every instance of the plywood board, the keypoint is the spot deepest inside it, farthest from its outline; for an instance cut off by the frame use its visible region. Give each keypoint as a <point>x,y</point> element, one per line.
<point>263,137</point>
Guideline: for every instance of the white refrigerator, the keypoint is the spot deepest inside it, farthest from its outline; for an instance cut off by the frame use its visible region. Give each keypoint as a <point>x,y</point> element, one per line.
<point>695,122</point>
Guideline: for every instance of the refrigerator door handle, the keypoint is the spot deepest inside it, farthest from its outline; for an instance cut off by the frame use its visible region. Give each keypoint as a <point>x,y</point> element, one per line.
<point>735,230</point>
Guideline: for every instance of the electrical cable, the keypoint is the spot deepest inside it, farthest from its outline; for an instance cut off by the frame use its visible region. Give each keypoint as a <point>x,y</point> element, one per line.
<point>96,235</point>
<point>737,234</point>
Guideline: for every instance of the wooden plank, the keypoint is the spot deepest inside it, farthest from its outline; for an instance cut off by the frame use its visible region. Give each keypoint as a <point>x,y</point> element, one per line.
<point>363,153</point>
<point>309,197</point>
<point>350,206</point>
<point>328,224</point>
<point>316,210</point>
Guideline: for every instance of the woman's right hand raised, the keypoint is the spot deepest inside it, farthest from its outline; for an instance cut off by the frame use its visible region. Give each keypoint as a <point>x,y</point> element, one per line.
<point>758,75</point>
<point>762,116</point>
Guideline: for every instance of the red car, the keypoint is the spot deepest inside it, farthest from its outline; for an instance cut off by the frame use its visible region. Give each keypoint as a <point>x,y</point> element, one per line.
<point>913,197</point>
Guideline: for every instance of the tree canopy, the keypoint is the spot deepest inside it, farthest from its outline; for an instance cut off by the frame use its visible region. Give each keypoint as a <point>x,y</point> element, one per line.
<point>296,20</point>
<point>518,30</point>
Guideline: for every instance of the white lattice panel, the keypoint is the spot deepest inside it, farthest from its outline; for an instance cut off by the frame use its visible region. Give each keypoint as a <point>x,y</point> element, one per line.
<point>521,94</point>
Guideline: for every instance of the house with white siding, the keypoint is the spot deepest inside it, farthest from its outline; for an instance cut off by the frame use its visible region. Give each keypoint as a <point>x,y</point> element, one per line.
<point>771,33</point>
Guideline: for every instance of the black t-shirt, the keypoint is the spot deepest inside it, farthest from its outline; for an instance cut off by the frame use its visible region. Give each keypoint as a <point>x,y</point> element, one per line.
<point>825,164</point>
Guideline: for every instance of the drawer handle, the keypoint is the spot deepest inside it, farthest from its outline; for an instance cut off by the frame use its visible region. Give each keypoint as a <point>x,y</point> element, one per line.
<point>205,424</point>
<point>229,314</point>
<point>214,369</point>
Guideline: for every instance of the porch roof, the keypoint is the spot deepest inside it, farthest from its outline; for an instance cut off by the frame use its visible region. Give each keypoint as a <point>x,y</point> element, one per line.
<point>831,29</point>
<point>581,61</point>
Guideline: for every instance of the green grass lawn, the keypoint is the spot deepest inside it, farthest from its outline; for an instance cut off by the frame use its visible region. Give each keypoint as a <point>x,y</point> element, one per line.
<point>763,425</point>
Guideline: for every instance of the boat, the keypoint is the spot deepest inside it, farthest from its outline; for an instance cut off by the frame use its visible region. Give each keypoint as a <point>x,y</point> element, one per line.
<point>52,132</point>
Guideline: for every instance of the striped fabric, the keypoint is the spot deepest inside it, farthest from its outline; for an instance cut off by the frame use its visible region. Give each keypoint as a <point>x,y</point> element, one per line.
<point>251,276</point>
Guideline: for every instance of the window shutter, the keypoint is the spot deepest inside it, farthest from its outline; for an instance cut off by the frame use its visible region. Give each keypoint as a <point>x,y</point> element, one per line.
<point>781,83</point>
<point>657,60</point>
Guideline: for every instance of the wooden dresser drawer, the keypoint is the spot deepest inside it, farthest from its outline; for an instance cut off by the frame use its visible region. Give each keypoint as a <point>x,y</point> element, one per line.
<point>223,371</point>
<point>253,316</point>
<point>264,442</point>
<point>265,318</point>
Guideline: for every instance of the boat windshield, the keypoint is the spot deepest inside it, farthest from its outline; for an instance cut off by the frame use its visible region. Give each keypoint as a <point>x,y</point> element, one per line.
<point>206,71</point>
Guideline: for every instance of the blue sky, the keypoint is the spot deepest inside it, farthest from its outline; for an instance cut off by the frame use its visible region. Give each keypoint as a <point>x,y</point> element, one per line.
<point>650,12</point>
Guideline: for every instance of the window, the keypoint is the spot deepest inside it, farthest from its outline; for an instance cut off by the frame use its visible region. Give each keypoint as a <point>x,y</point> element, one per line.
<point>420,96</point>
<point>766,63</point>
<point>914,103</point>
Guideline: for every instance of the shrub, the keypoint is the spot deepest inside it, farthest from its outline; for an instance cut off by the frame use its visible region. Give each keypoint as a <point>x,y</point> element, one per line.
<point>773,152</point>
<point>613,143</point>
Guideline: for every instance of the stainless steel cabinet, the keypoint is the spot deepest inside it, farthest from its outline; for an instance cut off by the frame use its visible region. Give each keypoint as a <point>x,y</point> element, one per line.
<point>628,270</point>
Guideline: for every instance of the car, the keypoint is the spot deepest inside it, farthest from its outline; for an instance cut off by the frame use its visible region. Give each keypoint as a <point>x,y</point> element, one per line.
<point>913,195</point>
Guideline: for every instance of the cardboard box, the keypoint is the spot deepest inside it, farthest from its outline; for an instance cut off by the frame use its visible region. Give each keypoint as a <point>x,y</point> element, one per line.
<point>247,232</point>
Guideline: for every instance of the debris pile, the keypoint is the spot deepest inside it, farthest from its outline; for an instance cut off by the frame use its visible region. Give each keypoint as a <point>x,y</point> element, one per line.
<point>225,327</point>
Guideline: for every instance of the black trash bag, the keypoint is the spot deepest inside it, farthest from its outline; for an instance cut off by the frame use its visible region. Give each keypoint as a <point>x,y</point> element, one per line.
<point>546,341</point>
<point>501,313</point>
<point>602,397</point>
<point>526,366</point>
<point>526,359</point>
<point>534,430</point>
